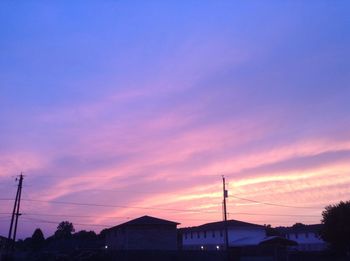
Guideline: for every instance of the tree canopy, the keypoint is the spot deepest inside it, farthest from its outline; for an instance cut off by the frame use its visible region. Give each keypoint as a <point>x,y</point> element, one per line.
<point>37,240</point>
<point>336,226</point>
<point>270,231</point>
<point>64,230</point>
<point>298,225</point>
<point>38,235</point>
<point>85,235</point>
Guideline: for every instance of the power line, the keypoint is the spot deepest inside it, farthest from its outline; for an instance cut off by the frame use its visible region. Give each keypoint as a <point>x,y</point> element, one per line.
<point>273,215</point>
<point>172,209</point>
<point>117,206</point>
<point>121,206</point>
<point>73,216</point>
<point>272,204</point>
<point>57,222</point>
<point>89,216</point>
<point>119,217</point>
<point>165,209</point>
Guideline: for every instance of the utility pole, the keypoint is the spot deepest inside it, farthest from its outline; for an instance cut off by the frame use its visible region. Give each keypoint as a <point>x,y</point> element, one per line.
<point>15,214</point>
<point>225,195</point>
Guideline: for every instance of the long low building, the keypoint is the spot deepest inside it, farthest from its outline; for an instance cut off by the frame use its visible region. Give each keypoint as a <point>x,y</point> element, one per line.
<point>211,236</point>
<point>307,237</point>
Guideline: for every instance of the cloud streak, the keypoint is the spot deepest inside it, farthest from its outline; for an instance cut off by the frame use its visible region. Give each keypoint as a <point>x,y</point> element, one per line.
<point>147,112</point>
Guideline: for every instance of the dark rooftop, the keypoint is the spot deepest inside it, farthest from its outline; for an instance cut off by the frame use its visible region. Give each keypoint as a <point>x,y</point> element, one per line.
<point>220,225</point>
<point>315,228</point>
<point>276,240</point>
<point>146,220</point>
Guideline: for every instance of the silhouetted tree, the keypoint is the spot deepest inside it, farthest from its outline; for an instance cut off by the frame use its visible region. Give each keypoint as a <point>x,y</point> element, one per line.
<point>19,245</point>
<point>25,244</point>
<point>38,239</point>
<point>64,230</point>
<point>85,235</point>
<point>270,231</point>
<point>336,226</point>
<point>103,233</point>
<point>298,225</point>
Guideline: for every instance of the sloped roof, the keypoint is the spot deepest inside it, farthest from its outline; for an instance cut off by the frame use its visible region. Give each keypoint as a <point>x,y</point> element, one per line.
<point>276,240</point>
<point>146,220</point>
<point>315,228</point>
<point>245,241</point>
<point>221,225</point>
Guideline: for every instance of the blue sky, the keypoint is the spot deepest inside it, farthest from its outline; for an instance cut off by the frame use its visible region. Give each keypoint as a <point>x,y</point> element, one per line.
<point>107,98</point>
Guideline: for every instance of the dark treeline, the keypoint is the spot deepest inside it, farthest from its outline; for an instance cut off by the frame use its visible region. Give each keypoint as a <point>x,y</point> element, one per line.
<point>67,244</point>
<point>65,238</point>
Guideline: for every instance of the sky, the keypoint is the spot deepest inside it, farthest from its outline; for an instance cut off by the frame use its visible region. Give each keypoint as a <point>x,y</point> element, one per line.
<point>118,109</point>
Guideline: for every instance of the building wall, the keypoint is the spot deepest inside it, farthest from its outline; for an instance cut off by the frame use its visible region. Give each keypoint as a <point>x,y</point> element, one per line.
<point>146,237</point>
<point>116,238</point>
<point>308,241</point>
<point>210,239</point>
<point>3,242</point>
<point>214,239</point>
<point>246,236</point>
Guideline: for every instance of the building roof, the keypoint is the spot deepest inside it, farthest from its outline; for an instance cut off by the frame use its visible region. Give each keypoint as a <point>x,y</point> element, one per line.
<point>245,241</point>
<point>221,225</point>
<point>315,228</point>
<point>3,240</point>
<point>276,240</point>
<point>146,220</point>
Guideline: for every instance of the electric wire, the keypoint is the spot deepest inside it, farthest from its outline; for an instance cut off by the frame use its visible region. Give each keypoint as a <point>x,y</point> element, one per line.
<point>272,204</point>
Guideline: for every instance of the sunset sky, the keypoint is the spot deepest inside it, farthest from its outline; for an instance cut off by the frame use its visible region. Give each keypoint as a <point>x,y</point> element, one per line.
<point>139,107</point>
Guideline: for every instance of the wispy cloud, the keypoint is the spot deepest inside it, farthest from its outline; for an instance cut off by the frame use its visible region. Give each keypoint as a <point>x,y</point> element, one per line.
<point>149,111</point>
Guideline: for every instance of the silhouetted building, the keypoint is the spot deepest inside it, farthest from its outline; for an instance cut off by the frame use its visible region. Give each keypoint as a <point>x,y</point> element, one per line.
<point>211,236</point>
<point>3,242</point>
<point>307,237</point>
<point>277,241</point>
<point>144,233</point>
